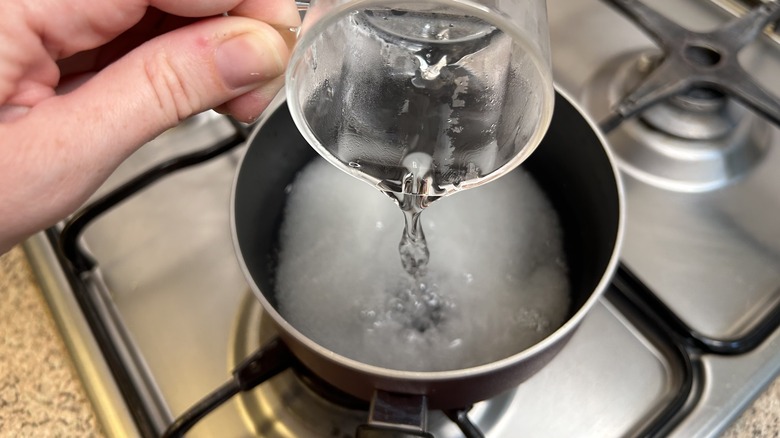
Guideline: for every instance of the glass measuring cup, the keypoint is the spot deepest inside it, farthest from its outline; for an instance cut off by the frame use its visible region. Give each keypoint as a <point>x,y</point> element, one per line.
<point>422,97</point>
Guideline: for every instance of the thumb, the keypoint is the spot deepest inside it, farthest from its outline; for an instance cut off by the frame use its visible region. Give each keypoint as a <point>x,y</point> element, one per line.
<point>72,142</point>
<point>166,80</point>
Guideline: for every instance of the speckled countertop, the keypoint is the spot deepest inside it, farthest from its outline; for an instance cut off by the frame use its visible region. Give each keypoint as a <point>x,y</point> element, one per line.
<point>40,394</point>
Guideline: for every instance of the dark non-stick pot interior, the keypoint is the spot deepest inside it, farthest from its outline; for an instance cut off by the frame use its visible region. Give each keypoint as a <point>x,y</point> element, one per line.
<point>570,165</point>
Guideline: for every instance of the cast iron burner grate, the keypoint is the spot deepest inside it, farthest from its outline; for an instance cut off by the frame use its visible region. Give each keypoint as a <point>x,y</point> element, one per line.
<point>695,60</point>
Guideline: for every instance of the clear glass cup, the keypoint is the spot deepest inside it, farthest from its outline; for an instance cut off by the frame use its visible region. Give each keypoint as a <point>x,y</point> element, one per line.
<point>419,97</point>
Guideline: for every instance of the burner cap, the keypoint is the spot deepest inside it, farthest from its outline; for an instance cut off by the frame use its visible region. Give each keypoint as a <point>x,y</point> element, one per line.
<point>698,141</point>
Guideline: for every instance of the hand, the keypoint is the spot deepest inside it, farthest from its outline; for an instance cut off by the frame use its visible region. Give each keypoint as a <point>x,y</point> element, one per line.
<point>83,84</point>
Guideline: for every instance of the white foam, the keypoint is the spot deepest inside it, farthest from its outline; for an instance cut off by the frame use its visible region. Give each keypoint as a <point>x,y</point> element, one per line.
<point>496,260</point>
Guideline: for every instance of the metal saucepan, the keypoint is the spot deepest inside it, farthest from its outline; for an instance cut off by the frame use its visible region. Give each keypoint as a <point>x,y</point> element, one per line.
<point>571,166</point>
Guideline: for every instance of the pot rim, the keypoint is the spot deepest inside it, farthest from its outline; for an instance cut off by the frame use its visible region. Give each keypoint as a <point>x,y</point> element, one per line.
<point>432,376</point>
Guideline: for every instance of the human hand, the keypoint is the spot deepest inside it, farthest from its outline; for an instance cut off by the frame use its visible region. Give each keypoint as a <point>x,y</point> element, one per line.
<point>83,84</point>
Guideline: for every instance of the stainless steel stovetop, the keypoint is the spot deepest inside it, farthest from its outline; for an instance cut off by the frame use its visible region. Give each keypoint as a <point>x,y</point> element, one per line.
<point>170,296</point>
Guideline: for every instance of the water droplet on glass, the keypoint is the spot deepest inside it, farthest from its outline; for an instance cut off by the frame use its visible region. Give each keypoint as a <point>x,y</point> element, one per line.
<point>429,71</point>
<point>354,164</point>
<point>328,88</point>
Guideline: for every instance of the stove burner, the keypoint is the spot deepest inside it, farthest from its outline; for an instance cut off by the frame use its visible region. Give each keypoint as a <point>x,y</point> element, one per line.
<point>327,391</point>
<point>695,141</point>
<point>698,114</point>
<point>692,132</point>
<point>297,403</point>
<point>695,59</point>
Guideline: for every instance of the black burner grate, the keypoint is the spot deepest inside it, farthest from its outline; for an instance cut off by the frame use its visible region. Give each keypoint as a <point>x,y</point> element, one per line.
<point>696,60</point>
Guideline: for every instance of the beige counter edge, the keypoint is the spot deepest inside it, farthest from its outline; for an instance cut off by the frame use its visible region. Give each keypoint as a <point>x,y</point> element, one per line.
<point>95,374</point>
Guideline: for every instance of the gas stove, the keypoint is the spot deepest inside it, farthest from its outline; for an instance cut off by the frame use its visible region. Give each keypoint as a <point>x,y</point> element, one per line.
<point>156,311</point>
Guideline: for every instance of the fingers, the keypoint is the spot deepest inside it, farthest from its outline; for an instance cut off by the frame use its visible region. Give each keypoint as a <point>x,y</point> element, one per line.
<point>76,140</point>
<point>153,24</point>
<point>179,74</point>
<point>249,106</point>
<point>277,13</point>
<point>90,24</point>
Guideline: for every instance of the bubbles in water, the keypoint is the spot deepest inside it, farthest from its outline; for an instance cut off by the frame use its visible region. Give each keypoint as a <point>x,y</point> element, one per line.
<point>339,280</point>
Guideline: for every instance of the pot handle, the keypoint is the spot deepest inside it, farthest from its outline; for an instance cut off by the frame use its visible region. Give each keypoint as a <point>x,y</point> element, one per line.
<point>396,415</point>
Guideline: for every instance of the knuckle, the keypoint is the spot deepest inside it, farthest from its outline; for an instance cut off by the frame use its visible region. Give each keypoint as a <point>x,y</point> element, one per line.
<point>173,94</point>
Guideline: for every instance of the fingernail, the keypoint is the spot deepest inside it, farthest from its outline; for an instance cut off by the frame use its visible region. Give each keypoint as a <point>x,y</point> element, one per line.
<point>9,113</point>
<point>248,59</point>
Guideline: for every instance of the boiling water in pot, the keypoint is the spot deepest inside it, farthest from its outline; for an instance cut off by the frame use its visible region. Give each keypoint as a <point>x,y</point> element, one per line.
<point>496,281</point>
